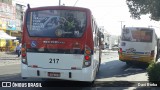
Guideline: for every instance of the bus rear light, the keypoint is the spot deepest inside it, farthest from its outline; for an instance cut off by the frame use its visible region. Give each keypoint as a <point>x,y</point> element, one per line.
<point>120,50</point>
<point>88,52</point>
<point>87,57</point>
<point>152,53</point>
<point>23,55</point>
<point>24,61</point>
<point>23,50</point>
<point>87,63</point>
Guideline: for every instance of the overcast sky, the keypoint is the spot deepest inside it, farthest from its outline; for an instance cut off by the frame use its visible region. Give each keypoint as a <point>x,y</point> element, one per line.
<point>108,13</point>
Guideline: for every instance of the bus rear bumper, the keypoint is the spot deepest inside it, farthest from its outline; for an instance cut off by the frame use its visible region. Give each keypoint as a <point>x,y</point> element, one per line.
<point>86,74</point>
<point>146,59</point>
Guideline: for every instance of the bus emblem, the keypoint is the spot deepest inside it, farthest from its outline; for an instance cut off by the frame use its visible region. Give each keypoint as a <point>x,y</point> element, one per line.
<point>33,43</point>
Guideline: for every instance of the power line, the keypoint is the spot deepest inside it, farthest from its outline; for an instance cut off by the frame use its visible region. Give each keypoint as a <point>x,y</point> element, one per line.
<point>75,2</point>
<point>59,2</point>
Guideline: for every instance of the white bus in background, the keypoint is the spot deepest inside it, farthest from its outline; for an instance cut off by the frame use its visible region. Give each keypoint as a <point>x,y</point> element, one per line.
<point>138,44</point>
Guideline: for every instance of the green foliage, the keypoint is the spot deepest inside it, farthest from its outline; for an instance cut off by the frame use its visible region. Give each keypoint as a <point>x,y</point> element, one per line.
<point>154,72</point>
<point>142,7</point>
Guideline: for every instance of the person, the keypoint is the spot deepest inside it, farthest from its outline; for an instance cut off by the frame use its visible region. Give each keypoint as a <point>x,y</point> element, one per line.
<point>18,49</point>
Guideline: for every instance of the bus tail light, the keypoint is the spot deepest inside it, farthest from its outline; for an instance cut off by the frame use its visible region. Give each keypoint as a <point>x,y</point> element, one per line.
<point>152,53</point>
<point>87,57</point>
<point>120,50</point>
<point>23,60</point>
<point>23,53</point>
<point>87,63</point>
<point>88,52</point>
<point>23,50</point>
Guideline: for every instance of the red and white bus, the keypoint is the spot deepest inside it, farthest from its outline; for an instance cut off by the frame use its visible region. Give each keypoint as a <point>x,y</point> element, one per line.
<point>60,42</point>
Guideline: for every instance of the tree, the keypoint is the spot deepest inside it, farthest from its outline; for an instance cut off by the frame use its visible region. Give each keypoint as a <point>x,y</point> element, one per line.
<point>142,7</point>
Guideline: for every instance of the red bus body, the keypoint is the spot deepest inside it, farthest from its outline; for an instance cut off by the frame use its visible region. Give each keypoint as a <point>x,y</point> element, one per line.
<point>82,47</point>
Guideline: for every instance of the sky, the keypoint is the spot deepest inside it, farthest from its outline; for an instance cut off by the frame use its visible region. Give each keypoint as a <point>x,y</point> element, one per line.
<point>112,14</point>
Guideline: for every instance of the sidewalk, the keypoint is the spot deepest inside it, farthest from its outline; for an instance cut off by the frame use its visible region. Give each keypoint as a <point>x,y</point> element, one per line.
<point>9,58</point>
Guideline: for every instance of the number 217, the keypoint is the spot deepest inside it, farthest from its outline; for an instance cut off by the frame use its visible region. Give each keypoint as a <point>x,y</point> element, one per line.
<point>51,60</point>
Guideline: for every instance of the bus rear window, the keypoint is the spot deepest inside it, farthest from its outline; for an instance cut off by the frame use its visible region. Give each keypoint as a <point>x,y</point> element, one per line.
<point>56,23</point>
<point>137,35</point>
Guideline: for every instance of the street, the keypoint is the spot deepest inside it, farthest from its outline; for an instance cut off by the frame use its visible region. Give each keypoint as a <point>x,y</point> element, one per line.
<point>113,75</point>
<point>64,38</point>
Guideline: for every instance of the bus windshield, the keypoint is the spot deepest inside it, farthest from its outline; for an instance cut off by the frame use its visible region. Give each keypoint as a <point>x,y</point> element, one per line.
<point>137,35</point>
<point>56,23</point>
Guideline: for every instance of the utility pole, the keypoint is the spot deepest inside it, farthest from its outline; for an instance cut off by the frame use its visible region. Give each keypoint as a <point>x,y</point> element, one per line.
<point>121,24</point>
<point>119,38</point>
<point>59,2</point>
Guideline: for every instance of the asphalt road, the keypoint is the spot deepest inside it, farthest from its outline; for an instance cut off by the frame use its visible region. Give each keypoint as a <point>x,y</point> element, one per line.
<point>113,75</point>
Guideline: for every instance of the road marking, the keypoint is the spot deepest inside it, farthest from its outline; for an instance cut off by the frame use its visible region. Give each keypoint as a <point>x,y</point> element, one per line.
<point>131,88</point>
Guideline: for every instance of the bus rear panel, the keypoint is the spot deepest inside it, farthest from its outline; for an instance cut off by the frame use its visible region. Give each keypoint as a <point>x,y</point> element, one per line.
<point>58,44</point>
<point>138,45</point>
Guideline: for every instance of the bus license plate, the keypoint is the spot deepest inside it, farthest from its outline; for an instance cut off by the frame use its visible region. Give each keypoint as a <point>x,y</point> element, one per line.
<point>54,74</point>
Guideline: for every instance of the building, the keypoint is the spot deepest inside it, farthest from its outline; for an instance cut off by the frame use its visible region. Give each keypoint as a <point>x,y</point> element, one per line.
<point>109,41</point>
<point>19,20</point>
<point>106,37</point>
<point>101,28</point>
<point>11,18</point>
<point>6,1</point>
<point>113,41</point>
